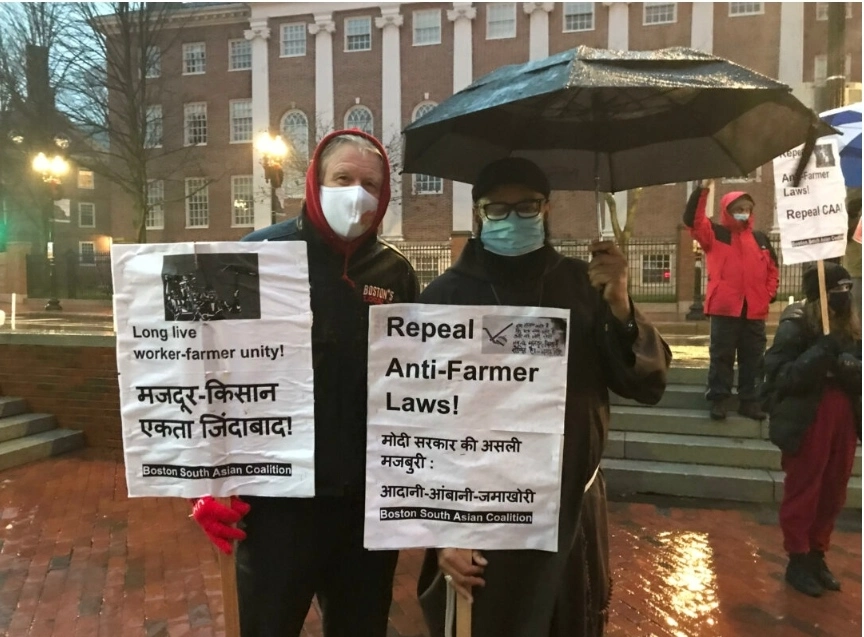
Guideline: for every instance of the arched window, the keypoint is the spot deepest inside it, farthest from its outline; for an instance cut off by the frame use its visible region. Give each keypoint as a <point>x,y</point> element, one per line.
<point>295,129</point>
<point>426,184</point>
<point>360,117</point>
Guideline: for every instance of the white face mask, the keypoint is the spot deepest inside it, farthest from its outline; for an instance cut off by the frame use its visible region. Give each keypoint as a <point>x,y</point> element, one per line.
<point>345,206</point>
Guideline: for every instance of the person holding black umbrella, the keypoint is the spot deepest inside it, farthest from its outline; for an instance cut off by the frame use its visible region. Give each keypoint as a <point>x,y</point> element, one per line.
<point>742,282</point>
<point>612,346</point>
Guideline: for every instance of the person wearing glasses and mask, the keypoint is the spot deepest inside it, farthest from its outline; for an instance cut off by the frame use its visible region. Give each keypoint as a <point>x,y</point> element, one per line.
<point>295,548</point>
<point>813,390</point>
<point>612,346</point>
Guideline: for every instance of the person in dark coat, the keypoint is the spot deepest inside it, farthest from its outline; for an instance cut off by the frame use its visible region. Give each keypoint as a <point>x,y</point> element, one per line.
<point>294,548</point>
<point>528,593</point>
<point>742,282</point>
<point>813,390</point>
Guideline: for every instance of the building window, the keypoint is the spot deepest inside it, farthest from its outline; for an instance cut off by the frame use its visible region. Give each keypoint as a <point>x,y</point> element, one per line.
<point>293,40</point>
<point>822,10</point>
<point>295,128</point>
<point>241,120</point>
<point>153,68</point>
<point>426,184</point>
<point>427,27</point>
<point>194,58</point>
<point>197,203</point>
<point>86,253</point>
<point>155,219</point>
<point>358,34</point>
<point>578,16</point>
<point>360,117</point>
<point>820,68</point>
<point>659,13</point>
<point>656,268</point>
<point>746,8</point>
<point>500,20</point>
<point>85,179</point>
<point>153,127</point>
<point>86,215</point>
<point>239,55</point>
<point>243,213</point>
<point>195,123</point>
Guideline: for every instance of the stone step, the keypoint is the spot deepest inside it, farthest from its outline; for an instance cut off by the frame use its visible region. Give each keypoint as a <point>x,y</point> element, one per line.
<point>689,376</point>
<point>747,453</point>
<point>675,397</point>
<point>39,446</point>
<point>703,481</point>
<point>12,406</point>
<point>694,422</point>
<point>21,425</point>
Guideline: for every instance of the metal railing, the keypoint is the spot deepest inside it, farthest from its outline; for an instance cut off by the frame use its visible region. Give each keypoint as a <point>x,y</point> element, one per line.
<point>78,276</point>
<point>429,258</point>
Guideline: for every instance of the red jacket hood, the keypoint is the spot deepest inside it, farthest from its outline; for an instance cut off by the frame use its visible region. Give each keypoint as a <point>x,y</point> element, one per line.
<point>313,199</point>
<point>727,219</point>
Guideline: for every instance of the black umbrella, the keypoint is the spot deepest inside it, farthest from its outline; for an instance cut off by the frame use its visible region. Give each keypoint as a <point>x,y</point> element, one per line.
<point>595,119</point>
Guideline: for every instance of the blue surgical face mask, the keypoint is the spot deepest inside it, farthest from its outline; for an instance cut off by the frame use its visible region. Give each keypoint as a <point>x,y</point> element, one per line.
<point>741,216</point>
<point>513,236</point>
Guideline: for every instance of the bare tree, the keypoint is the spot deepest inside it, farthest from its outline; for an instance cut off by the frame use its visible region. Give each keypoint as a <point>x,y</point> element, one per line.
<point>116,97</point>
<point>623,235</point>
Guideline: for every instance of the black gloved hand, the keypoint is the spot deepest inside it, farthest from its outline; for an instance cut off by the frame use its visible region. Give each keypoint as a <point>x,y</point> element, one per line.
<point>831,344</point>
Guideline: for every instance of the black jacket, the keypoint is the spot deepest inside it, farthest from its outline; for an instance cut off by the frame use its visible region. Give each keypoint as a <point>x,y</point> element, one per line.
<point>536,593</point>
<point>798,365</point>
<point>340,335</point>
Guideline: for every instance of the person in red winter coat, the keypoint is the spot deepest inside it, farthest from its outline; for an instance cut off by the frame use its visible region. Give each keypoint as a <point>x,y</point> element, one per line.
<point>742,282</point>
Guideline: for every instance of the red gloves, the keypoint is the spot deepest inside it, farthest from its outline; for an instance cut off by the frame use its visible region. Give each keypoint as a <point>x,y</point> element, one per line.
<point>216,519</point>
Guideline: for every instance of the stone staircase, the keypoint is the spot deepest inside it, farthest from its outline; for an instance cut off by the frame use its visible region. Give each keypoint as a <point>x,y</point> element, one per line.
<point>25,437</point>
<point>675,449</point>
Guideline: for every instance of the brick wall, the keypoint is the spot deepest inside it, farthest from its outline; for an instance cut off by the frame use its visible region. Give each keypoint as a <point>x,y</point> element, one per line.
<point>72,377</point>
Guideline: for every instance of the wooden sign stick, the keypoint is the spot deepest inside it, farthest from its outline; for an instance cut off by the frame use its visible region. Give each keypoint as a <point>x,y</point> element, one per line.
<point>463,609</point>
<point>823,296</point>
<point>230,607</point>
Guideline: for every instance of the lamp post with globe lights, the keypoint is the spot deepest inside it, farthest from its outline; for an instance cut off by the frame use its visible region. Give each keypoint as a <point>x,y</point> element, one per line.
<point>273,152</point>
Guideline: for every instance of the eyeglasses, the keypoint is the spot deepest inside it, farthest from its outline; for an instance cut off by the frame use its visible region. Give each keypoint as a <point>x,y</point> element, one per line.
<point>498,211</point>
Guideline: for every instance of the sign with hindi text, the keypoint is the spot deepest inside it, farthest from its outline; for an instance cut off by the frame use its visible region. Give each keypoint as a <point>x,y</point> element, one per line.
<point>465,426</point>
<point>812,216</point>
<point>215,362</point>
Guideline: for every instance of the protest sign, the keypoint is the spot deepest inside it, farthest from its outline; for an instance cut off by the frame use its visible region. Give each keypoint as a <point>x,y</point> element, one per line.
<point>215,362</point>
<point>465,426</point>
<point>812,216</point>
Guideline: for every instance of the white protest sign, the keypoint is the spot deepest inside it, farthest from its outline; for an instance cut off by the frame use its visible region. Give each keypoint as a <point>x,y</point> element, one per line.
<point>465,426</point>
<point>215,362</point>
<point>812,217</point>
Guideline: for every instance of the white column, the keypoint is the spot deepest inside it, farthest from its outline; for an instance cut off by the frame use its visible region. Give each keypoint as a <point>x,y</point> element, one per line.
<point>619,25</point>
<point>463,73</point>
<point>323,29</point>
<point>538,31</point>
<point>618,39</point>
<point>702,27</point>
<point>258,33</point>
<point>391,112</point>
<point>791,69</point>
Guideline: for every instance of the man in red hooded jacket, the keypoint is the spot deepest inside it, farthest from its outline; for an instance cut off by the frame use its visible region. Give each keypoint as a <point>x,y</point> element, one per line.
<point>294,548</point>
<point>742,282</point>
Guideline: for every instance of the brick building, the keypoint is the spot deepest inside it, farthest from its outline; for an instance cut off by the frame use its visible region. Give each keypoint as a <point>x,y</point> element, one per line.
<point>299,68</point>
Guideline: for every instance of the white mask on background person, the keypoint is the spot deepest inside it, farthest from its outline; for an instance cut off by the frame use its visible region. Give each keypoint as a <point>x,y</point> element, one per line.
<point>741,216</point>
<point>345,209</point>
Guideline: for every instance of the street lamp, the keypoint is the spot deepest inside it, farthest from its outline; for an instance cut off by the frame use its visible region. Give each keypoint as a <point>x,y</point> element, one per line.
<point>273,151</point>
<point>52,170</point>
<point>697,310</point>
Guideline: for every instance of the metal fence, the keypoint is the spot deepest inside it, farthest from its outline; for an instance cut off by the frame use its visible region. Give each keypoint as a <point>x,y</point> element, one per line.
<point>429,258</point>
<point>79,276</point>
<point>652,275</point>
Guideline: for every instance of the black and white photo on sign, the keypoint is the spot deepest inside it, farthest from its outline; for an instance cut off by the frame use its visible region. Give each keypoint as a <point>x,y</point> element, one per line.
<point>211,287</point>
<point>536,336</point>
<point>824,156</point>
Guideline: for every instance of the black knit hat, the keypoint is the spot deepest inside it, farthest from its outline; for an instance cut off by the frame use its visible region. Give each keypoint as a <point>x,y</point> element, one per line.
<point>510,170</point>
<point>834,273</point>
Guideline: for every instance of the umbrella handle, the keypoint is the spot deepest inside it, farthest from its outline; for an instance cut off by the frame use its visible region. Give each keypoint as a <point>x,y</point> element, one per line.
<point>806,152</point>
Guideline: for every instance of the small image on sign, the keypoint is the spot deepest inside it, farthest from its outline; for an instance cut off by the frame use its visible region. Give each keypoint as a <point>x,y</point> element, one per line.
<point>210,287</point>
<point>536,336</point>
<point>824,155</point>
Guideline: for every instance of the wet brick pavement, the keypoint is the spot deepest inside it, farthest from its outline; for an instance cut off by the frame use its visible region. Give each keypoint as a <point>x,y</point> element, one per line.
<point>79,559</point>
